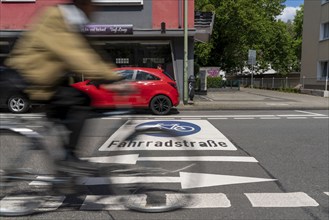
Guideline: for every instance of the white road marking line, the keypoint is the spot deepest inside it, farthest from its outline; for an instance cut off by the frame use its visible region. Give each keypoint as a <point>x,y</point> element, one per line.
<point>244,118</point>
<point>49,203</point>
<point>321,117</point>
<point>201,158</point>
<point>296,117</point>
<point>114,118</point>
<point>134,158</point>
<point>296,199</point>
<point>277,104</point>
<point>310,113</point>
<point>205,200</point>
<point>157,118</point>
<point>270,118</point>
<point>95,202</point>
<point>217,118</point>
<point>191,118</point>
<point>326,193</point>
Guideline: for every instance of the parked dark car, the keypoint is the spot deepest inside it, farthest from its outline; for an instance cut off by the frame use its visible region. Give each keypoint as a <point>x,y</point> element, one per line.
<point>11,95</point>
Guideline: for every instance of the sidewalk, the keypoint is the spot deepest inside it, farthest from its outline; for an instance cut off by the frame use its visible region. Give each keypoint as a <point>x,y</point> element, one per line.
<point>255,99</point>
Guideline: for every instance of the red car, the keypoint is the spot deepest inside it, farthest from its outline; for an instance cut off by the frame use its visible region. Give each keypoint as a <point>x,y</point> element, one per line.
<point>156,91</point>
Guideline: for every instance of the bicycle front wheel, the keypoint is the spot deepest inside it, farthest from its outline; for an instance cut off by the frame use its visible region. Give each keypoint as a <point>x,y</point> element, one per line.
<point>19,167</point>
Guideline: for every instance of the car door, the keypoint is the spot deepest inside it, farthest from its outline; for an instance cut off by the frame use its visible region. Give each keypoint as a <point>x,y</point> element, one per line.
<point>129,99</point>
<point>147,84</point>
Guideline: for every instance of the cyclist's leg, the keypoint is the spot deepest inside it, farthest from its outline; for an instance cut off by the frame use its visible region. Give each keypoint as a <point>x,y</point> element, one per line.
<point>71,108</point>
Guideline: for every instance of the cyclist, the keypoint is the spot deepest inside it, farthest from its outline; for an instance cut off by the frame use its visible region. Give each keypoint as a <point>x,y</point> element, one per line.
<point>52,47</point>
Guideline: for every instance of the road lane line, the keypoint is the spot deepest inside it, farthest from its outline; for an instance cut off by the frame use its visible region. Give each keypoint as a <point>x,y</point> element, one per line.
<point>296,117</point>
<point>310,113</point>
<point>295,199</point>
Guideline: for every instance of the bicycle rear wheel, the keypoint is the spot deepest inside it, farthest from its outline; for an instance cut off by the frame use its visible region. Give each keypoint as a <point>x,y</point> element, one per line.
<point>155,183</point>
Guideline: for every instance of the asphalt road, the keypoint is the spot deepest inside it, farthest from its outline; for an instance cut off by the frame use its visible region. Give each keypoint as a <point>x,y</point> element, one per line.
<point>285,177</point>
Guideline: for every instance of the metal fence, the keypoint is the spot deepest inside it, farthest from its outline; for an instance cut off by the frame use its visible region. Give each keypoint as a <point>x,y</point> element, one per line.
<point>285,83</point>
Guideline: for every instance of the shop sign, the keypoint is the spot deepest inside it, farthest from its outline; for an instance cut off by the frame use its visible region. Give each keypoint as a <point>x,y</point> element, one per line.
<point>108,29</point>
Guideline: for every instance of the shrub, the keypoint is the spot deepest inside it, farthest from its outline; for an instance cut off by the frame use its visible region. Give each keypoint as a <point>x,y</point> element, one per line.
<point>214,82</point>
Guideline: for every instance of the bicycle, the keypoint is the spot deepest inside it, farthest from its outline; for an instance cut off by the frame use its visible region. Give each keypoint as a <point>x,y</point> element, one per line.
<point>138,193</point>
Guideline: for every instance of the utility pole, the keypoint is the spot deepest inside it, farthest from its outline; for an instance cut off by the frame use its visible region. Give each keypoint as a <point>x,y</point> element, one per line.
<point>185,51</point>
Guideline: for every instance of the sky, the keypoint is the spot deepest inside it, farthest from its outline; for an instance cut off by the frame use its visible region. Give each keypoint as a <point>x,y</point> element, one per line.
<point>290,10</point>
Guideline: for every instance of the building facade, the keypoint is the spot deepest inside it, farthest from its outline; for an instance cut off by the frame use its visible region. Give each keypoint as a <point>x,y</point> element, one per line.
<point>315,47</point>
<point>144,33</point>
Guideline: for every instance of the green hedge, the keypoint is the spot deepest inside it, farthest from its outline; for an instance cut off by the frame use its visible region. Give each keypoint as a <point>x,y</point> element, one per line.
<point>214,82</point>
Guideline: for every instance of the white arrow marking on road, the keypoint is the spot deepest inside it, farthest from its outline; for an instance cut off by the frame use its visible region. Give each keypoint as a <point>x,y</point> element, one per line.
<point>205,180</point>
<point>133,158</point>
<point>187,180</point>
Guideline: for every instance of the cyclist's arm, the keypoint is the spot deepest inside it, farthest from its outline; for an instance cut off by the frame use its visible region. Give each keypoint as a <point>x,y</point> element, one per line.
<point>72,48</point>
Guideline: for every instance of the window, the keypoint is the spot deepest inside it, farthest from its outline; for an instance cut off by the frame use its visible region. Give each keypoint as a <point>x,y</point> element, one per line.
<point>324,69</point>
<point>119,2</point>
<point>325,31</point>
<point>142,76</point>
<point>127,74</point>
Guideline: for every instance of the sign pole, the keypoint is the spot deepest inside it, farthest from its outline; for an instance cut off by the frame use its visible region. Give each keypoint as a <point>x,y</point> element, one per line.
<point>252,61</point>
<point>185,52</point>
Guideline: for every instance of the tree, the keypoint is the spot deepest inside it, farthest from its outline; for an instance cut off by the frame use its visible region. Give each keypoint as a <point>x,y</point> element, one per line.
<point>298,36</point>
<point>241,25</point>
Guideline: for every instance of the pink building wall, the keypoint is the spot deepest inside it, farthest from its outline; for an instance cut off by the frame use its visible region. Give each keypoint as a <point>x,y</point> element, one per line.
<point>16,16</point>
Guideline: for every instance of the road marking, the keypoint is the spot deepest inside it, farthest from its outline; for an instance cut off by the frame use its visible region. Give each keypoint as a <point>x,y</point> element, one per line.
<point>95,202</point>
<point>270,118</point>
<point>47,203</point>
<point>326,193</point>
<point>244,118</point>
<point>217,118</point>
<point>193,135</point>
<point>296,118</point>
<point>187,180</point>
<point>207,200</point>
<point>134,158</point>
<point>204,200</point>
<point>206,180</point>
<point>296,199</point>
<point>114,118</point>
<point>277,104</point>
<point>310,113</point>
<point>321,117</point>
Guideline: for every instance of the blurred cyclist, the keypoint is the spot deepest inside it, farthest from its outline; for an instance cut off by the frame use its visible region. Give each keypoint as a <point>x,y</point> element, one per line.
<point>51,48</point>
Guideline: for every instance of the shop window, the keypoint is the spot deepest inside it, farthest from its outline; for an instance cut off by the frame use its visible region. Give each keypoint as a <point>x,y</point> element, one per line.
<point>149,54</point>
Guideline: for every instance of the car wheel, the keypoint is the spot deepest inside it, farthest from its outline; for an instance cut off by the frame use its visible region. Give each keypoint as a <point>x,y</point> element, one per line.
<point>18,104</point>
<point>160,105</point>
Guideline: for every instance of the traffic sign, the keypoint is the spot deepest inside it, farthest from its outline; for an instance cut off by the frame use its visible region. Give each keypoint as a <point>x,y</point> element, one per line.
<point>252,57</point>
